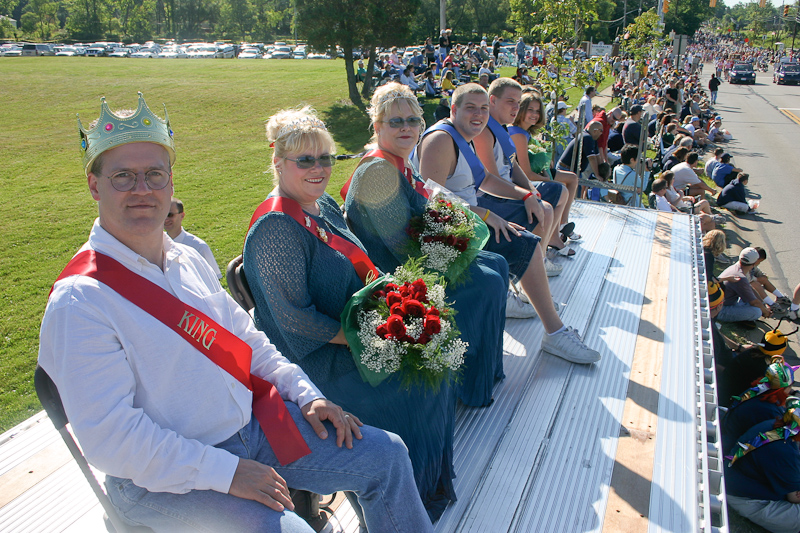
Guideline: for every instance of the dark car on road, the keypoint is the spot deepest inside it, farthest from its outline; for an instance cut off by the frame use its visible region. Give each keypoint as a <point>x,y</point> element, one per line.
<point>787,74</point>
<point>743,73</point>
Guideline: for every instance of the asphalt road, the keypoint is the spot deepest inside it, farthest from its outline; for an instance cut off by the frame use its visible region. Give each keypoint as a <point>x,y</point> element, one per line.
<point>765,145</point>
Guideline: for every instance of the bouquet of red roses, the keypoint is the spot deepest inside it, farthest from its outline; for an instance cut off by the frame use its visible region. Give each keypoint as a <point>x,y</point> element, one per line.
<point>401,323</point>
<point>448,235</point>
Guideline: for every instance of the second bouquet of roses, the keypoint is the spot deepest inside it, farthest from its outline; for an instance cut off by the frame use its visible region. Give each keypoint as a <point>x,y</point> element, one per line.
<point>448,235</point>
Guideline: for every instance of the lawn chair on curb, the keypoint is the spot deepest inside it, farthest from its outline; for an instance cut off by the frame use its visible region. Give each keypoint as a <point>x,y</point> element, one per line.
<point>51,401</point>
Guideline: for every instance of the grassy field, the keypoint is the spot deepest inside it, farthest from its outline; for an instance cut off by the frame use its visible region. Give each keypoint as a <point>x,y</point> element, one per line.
<point>217,109</point>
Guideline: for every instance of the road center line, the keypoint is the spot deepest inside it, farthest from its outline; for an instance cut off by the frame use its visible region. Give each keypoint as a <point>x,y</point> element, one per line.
<point>788,113</point>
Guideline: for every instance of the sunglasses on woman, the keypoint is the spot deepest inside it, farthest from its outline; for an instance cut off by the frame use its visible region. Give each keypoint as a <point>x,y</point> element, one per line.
<point>305,162</point>
<point>397,122</point>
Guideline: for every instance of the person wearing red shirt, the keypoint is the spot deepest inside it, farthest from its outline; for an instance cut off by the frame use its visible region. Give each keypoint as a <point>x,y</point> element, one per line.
<point>608,120</point>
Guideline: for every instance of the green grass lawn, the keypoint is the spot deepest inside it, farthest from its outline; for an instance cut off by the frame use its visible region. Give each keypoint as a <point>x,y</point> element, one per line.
<point>217,109</point>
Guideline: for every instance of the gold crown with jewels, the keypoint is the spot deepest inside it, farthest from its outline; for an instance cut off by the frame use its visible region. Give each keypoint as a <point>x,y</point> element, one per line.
<point>112,131</point>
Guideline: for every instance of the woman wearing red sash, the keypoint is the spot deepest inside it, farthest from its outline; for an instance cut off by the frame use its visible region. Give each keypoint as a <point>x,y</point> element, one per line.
<point>302,265</point>
<point>381,201</point>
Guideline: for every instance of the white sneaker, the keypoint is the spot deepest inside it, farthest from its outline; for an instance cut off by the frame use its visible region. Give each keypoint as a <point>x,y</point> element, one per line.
<point>521,293</point>
<point>524,297</point>
<point>552,269</point>
<point>568,345</point>
<point>516,308</point>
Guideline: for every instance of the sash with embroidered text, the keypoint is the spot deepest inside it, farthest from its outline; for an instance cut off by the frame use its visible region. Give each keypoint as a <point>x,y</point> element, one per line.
<point>364,267</point>
<point>221,346</point>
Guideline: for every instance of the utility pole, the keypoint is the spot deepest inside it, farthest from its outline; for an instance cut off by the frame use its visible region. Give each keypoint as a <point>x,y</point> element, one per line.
<point>442,14</point>
<point>624,14</point>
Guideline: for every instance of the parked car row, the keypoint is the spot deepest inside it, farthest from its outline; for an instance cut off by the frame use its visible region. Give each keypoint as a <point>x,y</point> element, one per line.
<point>218,50</point>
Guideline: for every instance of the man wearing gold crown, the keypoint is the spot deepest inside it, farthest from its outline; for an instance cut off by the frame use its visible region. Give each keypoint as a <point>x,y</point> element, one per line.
<point>198,422</point>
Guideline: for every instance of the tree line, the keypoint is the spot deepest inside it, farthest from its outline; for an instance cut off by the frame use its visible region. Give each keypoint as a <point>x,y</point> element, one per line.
<point>266,20</point>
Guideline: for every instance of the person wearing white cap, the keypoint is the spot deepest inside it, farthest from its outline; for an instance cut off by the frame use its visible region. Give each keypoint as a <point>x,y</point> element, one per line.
<point>742,304</point>
<point>562,118</point>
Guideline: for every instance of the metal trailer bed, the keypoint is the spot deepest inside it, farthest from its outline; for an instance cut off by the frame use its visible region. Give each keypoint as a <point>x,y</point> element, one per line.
<point>628,444</point>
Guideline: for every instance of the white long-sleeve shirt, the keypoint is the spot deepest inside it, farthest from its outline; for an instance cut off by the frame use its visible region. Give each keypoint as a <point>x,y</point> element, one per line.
<point>585,108</point>
<point>143,403</point>
<point>184,237</point>
<point>409,81</point>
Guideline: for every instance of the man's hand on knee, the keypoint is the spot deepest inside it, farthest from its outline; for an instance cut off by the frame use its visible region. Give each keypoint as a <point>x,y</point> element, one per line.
<point>259,482</point>
<point>346,424</point>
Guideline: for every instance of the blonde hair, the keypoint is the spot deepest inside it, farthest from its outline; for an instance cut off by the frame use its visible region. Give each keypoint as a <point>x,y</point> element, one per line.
<point>295,131</point>
<point>499,86</point>
<point>385,97</point>
<point>714,240</point>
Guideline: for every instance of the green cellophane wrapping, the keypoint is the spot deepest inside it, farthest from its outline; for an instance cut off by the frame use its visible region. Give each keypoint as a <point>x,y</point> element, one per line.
<point>539,160</point>
<point>482,234</point>
<point>455,273</point>
<point>415,367</point>
<point>350,327</point>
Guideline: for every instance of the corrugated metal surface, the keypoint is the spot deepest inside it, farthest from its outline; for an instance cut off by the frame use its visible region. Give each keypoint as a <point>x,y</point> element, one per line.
<point>24,440</point>
<point>479,431</point>
<point>51,505</point>
<point>551,463</point>
<point>675,504</point>
<point>541,457</point>
<point>569,488</point>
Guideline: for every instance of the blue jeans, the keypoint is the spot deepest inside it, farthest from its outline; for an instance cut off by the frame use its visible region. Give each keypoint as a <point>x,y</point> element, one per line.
<point>377,469</point>
<point>738,312</point>
<point>551,191</point>
<point>511,210</point>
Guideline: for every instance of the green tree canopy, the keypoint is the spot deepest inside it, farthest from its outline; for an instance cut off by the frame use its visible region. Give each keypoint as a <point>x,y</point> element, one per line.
<point>354,23</point>
<point>684,17</point>
<point>644,35</point>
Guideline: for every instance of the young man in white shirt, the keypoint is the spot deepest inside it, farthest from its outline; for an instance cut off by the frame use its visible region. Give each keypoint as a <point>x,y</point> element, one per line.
<point>443,158</point>
<point>173,225</point>
<point>195,417</point>
<point>585,105</point>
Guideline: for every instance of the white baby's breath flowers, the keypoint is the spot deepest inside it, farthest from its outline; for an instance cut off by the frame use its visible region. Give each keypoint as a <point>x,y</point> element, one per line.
<point>379,355</point>
<point>436,295</point>
<point>438,256</point>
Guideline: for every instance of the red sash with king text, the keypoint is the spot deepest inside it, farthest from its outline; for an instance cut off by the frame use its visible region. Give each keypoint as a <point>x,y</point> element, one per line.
<point>364,267</point>
<point>399,165</point>
<point>221,346</point>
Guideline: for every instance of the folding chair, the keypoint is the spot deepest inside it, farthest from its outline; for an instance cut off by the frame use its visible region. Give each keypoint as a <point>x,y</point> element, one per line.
<point>237,284</point>
<point>51,401</point>
<point>306,504</point>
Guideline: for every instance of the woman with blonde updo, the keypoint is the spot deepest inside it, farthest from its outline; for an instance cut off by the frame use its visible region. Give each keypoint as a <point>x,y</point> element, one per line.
<point>300,285</point>
<point>382,199</point>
